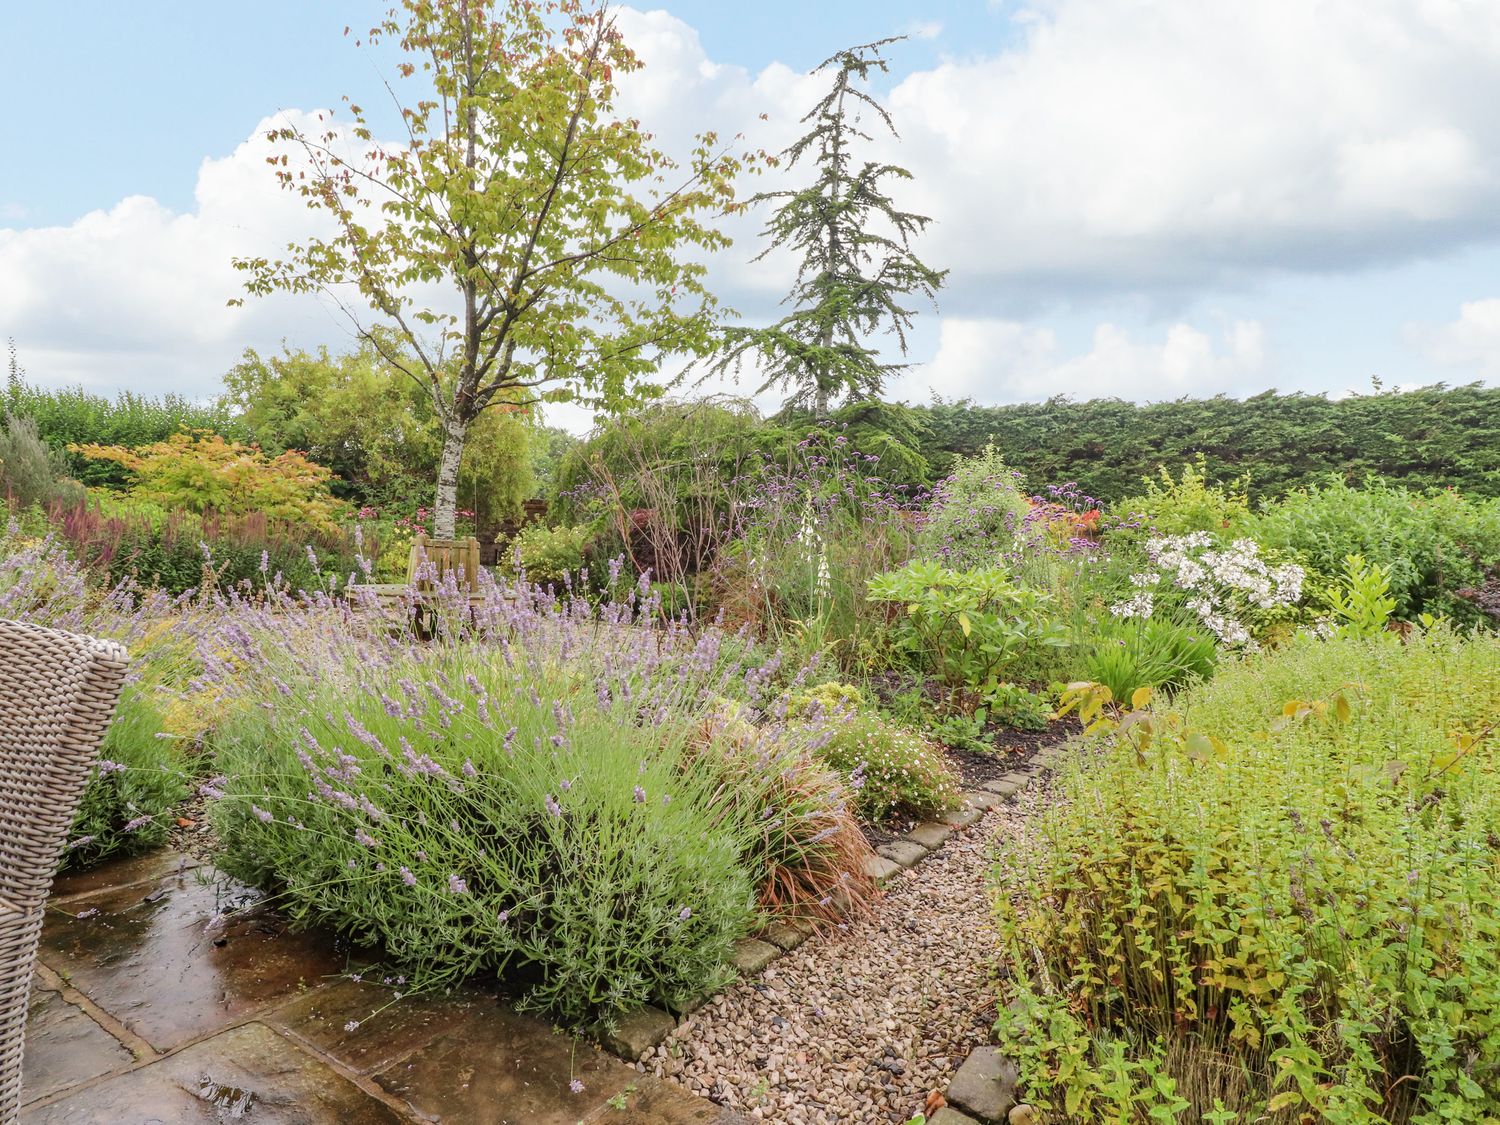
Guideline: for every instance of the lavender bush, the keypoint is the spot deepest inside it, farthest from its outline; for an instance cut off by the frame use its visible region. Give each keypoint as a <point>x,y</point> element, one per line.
<point>549,792</point>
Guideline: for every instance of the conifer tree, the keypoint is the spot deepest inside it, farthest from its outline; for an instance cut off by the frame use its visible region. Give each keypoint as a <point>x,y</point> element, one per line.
<point>857,268</point>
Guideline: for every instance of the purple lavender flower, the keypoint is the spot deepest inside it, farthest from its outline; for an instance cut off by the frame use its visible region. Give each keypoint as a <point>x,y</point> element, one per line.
<point>640,795</point>
<point>457,886</point>
<point>407,877</point>
<point>552,806</point>
<point>262,815</point>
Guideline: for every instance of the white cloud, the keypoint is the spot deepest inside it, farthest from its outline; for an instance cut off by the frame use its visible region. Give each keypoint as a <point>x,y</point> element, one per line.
<point>996,361</point>
<point>1471,343</point>
<point>1123,147</point>
<point>136,296</point>
<point>1126,145</point>
<point>1114,148</point>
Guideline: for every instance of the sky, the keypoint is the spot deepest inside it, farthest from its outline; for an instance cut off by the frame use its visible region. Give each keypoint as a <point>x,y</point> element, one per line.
<point>1135,198</point>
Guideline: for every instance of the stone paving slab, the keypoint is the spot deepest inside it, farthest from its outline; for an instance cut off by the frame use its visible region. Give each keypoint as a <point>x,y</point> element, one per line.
<point>498,1067</point>
<point>388,1029</point>
<point>65,1047</point>
<point>652,1101</point>
<point>249,1073</point>
<point>124,872</point>
<point>148,956</point>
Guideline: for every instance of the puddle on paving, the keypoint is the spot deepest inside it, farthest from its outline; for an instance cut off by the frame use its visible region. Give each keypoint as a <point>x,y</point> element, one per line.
<point>232,1102</point>
<point>183,957</point>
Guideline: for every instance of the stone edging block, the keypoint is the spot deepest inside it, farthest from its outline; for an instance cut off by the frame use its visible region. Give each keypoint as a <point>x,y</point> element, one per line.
<point>636,1033</point>
<point>985,1086</point>
<point>903,851</point>
<point>930,835</point>
<point>751,955</point>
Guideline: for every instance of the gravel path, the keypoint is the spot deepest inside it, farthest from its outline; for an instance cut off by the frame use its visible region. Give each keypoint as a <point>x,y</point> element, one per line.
<point>858,1026</point>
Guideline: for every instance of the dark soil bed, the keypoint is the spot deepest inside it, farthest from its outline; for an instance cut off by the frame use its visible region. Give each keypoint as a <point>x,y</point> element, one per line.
<point>1013,749</point>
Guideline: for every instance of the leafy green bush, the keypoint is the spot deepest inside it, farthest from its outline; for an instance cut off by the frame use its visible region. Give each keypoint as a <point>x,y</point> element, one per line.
<point>1127,655</point>
<point>967,628</point>
<point>550,555</point>
<point>1361,604</point>
<point>1433,544</point>
<point>204,473</point>
<point>30,472</point>
<point>892,770</point>
<point>1180,506</point>
<point>975,515</point>
<point>1274,901</point>
<point>71,416</point>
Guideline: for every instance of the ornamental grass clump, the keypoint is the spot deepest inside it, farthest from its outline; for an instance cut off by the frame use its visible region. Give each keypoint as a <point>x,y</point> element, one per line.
<point>539,795</point>
<point>1275,900</point>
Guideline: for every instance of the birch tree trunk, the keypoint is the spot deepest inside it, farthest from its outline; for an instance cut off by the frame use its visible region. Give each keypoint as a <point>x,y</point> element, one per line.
<point>445,518</point>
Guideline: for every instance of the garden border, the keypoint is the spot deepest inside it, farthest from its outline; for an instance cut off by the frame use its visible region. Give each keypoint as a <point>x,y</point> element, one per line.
<point>635,1035</point>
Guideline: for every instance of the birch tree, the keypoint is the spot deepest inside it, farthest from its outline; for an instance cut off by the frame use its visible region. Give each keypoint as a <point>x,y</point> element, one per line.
<point>523,241</point>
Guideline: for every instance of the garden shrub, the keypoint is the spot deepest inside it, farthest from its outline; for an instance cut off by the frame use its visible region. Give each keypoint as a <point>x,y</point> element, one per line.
<point>891,770</point>
<point>975,515</point>
<point>204,472</point>
<point>894,771</point>
<point>551,555</point>
<point>30,473</point>
<point>967,628</point>
<point>1234,591</point>
<point>1172,506</point>
<point>1274,900</point>
<point>547,793</point>
<point>1433,544</point>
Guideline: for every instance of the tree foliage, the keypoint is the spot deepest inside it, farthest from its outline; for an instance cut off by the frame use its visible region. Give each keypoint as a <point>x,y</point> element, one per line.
<point>555,229</point>
<point>377,431</point>
<point>856,266</point>
<point>72,416</point>
<point>205,473</point>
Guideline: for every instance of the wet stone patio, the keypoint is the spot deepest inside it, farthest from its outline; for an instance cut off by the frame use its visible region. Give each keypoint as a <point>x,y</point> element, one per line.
<point>163,994</point>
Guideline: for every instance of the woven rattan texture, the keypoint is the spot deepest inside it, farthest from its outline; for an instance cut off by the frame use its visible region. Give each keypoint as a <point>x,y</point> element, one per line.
<point>57,693</point>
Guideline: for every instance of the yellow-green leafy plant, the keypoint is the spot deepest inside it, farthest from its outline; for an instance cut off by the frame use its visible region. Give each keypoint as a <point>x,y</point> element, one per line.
<point>1361,602</point>
<point>1274,899</point>
<point>967,628</point>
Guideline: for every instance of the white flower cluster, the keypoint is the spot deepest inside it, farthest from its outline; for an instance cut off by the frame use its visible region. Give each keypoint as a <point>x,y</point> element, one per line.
<point>1222,583</point>
<point>810,539</point>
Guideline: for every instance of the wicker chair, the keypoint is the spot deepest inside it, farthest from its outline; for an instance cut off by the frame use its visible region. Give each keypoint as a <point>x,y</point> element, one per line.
<point>57,693</point>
